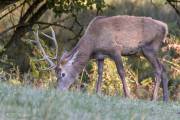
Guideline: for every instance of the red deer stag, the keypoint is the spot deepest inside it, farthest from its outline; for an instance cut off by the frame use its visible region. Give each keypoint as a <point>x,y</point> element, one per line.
<point>113,37</point>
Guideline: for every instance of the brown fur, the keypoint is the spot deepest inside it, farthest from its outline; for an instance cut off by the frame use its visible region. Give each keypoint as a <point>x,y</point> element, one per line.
<point>113,37</point>
<point>125,34</point>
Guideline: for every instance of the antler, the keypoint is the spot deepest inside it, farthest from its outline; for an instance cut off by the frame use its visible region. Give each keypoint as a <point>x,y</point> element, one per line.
<point>54,40</point>
<point>45,56</point>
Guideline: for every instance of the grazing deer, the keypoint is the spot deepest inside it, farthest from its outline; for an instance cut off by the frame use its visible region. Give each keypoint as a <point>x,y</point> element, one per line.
<point>113,37</point>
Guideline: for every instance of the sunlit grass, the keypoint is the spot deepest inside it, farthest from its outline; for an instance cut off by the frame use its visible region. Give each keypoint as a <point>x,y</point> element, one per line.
<point>27,103</point>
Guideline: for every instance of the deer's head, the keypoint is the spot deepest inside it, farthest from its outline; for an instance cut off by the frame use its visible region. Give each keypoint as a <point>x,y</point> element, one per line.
<point>64,69</point>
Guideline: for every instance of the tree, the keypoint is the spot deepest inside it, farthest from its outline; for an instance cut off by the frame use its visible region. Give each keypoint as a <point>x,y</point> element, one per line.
<point>174,4</point>
<point>15,48</point>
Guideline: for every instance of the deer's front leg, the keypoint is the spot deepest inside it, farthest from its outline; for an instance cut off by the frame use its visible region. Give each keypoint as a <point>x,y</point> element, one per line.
<point>121,72</point>
<point>100,63</point>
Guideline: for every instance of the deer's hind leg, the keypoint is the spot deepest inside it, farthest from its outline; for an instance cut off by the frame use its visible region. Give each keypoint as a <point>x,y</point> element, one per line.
<point>121,72</point>
<point>160,73</point>
<point>100,63</point>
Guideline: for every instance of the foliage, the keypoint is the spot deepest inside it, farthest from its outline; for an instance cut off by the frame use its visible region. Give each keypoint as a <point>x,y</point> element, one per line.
<point>30,103</point>
<point>111,84</point>
<point>71,17</point>
<point>75,6</point>
<point>28,15</point>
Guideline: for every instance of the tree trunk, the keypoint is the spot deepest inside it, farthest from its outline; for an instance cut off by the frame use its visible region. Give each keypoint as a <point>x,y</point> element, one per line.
<point>18,51</point>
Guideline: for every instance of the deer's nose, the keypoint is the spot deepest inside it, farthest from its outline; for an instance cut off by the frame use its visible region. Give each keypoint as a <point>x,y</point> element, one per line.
<point>62,88</point>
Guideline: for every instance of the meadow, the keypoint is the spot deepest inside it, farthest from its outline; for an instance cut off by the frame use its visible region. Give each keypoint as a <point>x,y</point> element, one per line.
<point>28,103</point>
<point>28,93</point>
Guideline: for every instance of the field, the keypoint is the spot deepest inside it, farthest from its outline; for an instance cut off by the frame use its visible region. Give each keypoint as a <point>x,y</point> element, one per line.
<point>27,91</point>
<point>27,103</point>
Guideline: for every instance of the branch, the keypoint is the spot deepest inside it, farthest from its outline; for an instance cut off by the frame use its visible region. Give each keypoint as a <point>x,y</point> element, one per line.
<point>22,9</point>
<point>23,18</point>
<point>6,3</point>
<point>13,27</point>
<point>39,22</point>
<point>53,24</point>
<point>12,10</point>
<point>62,26</point>
<point>76,19</point>
<point>21,30</point>
<point>174,7</point>
<point>76,36</point>
<point>30,11</point>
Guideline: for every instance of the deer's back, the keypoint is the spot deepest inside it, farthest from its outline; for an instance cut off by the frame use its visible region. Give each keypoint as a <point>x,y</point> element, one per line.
<point>126,33</point>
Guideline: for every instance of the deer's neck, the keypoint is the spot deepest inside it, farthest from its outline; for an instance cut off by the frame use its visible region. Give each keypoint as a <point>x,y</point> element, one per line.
<point>84,48</point>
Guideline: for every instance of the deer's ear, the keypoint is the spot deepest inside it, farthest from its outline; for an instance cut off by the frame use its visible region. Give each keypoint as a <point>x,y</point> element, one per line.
<point>73,57</point>
<point>63,60</point>
<point>64,55</point>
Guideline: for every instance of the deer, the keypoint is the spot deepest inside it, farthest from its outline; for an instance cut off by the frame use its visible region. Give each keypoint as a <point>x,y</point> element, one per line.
<point>112,37</point>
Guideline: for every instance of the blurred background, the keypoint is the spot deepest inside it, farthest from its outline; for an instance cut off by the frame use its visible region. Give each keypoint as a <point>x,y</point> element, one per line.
<point>19,55</point>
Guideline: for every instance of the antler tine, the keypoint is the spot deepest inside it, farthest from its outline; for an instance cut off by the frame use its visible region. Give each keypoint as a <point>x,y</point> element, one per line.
<point>45,56</point>
<point>54,40</point>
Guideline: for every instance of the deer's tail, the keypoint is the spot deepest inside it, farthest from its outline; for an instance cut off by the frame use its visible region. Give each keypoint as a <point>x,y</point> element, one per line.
<point>165,32</point>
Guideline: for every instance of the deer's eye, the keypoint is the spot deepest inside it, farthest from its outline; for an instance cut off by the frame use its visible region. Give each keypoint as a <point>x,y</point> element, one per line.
<point>63,75</point>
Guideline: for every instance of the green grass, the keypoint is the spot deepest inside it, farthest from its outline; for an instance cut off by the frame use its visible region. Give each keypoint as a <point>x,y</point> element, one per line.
<point>26,103</point>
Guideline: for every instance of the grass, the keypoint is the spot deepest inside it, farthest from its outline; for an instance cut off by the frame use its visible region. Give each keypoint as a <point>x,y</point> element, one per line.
<point>26,103</point>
